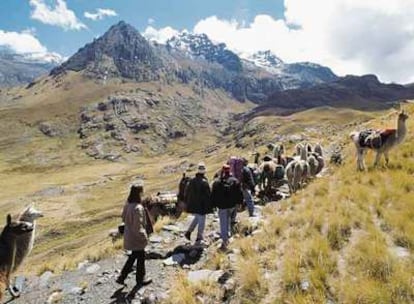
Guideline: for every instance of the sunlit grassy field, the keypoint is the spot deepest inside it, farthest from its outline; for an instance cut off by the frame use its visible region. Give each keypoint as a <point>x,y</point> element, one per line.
<point>348,237</point>
<point>82,198</point>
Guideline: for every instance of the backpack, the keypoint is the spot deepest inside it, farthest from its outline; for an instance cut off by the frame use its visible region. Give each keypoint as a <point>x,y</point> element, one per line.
<point>236,167</point>
<point>185,180</point>
<point>226,186</point>
<point>279,172</point>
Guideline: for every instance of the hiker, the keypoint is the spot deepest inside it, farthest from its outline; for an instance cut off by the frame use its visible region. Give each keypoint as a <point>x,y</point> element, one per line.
<point>136,232</point>
<point>226,193</point>
<point>248,187</point>
<point>197,199</point>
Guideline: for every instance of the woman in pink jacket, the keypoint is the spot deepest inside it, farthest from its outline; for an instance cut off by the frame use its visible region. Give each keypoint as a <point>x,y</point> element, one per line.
<point>135,236</point>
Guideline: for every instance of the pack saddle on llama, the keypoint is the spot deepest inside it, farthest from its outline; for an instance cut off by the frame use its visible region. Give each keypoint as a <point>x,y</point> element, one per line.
<point>381,141</point>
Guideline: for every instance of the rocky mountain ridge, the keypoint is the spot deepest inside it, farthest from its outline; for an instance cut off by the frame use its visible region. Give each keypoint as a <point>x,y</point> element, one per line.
<point>190,59</point>
<point>358,92</point>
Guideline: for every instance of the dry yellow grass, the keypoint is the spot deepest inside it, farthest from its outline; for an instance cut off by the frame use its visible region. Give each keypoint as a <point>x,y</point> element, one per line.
<point>81,197</point>
<point>334,240</point>
<point>340,241</point>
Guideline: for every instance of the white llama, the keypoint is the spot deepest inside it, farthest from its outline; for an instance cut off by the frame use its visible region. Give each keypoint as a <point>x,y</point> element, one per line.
<point>25,242</point>
<point>381,141</point>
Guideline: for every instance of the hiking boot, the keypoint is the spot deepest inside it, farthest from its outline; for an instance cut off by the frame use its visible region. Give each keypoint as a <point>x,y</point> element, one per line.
<point>223,247</point>
<point>120,281</point>
<point>200,242</point>
<point>188,235</point>
<point>145,281</point>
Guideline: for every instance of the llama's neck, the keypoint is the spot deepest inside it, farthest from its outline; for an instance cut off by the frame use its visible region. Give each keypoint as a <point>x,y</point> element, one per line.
<point>32,237</point>
<point>2,238</point>
<point>401,130</point>
<point>304,154</point>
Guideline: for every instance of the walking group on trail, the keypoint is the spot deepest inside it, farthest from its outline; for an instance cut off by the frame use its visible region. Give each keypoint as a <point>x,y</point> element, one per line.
<point>233,188</point>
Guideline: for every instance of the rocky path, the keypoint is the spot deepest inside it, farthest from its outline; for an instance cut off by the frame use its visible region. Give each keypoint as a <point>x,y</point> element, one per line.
<point>167,253</point>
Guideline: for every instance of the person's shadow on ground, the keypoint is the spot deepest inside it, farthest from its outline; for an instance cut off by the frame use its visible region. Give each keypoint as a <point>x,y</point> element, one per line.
<point>122,296</point>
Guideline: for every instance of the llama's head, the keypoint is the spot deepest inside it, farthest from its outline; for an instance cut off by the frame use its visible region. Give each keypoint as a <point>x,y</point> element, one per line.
<point>403,116</point>
<point>17,227</point>
<point>30,214</point>
<point>298,149</point>
<point>266,167</point>
<point>270,146</point>
<point>318,149</point>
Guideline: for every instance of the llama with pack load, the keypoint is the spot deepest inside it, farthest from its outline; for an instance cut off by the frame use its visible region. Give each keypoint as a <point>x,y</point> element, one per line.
<point>380,141</point>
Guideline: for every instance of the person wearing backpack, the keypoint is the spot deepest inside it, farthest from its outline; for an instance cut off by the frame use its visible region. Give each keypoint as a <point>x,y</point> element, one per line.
<point>248,186</point>
<point>182,186</point>
<point>226,193</point>
<point>136,230</point>
<point>197,199</point>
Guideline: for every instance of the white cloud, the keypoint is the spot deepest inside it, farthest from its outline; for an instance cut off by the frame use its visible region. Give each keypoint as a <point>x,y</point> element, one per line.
<point>57,14</point>
<point>151,20</point>
<point>26,43</point>
<point>350,36</point>
<point>23,42</point>
<point>161,35</point>
<point>100,14</point>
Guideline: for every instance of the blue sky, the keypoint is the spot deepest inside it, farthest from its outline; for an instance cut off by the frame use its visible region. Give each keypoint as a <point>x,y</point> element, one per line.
<point>349,36</point>
<point>15,15</point>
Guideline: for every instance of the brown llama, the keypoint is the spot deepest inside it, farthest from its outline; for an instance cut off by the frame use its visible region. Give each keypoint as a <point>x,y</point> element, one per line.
<point>381,141</point>
<point>8,249</point>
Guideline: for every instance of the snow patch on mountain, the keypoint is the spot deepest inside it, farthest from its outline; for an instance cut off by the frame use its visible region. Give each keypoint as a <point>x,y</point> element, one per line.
<point>266,60</point>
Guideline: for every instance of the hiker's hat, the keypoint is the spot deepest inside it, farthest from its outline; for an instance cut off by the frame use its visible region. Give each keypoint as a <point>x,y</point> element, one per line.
<point>201,168</point>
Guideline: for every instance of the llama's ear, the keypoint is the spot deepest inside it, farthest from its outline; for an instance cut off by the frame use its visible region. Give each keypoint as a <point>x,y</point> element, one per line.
<point>8,219</point>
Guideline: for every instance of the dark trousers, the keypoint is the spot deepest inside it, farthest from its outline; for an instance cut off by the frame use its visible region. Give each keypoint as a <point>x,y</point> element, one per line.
<point>139,256</point>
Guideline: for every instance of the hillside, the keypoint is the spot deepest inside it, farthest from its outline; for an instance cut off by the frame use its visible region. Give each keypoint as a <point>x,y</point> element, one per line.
<point>348,237</point>
<point>344,227</point>
<point>362,93</point>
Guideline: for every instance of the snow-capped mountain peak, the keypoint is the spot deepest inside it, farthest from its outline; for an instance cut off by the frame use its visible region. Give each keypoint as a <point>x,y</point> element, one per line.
<point>265,59</point>
<point>194,44</point>
<point>200,46</point>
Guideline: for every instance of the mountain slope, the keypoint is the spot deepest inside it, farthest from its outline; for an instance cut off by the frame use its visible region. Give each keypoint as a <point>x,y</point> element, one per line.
<point>120,52</point>
<point>294,75</point>
<point>364,92</point>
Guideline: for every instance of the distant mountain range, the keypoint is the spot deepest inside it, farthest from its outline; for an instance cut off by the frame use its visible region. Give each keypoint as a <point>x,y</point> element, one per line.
<point>122,94</point>
<point>361,92</point>
<point>194,60</point>
<point>191,59</point>
<point>16,69</point>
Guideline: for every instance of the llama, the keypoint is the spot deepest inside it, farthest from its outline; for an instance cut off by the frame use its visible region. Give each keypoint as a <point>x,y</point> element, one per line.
<point>302,167</point>
<point>278,156</point>
<point>267,171</point>
<point>313,165</point>
<point>318,149</point>
<point>381,141</point>
<point>290,174</point>
<point>298,149</point>
<point>8,249</point>
<point>315,160</point>
<point>256,157</point>
<point>25,242</point>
